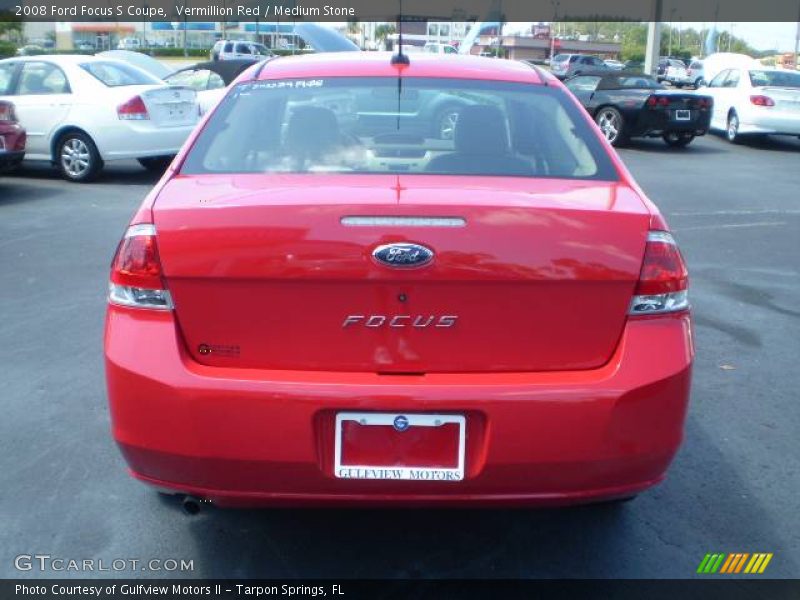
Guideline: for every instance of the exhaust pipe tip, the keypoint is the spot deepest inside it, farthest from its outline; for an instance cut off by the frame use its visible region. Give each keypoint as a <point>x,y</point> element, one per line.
<point>191,505</point>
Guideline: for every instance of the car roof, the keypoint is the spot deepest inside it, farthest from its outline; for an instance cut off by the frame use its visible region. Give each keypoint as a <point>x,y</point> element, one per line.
<point>64,59</point>
<point>229,70</point>
<point>378,64</point>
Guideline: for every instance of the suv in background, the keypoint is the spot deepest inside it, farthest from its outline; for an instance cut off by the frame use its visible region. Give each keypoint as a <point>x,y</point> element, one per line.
<point>232,49</point>
<point>672,70</point>
<point>565,66</point>
<point>696,73</point>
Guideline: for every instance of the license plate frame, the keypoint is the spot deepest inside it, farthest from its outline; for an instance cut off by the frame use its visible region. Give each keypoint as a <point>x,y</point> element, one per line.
<point>399,472</point>
<point>683,114</point>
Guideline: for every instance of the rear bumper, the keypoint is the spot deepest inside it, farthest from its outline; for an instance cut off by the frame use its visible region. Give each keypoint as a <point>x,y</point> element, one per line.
<point>772,122</point>
<point>250,437</point>
<point>140,140</point>
<point>657,123</point>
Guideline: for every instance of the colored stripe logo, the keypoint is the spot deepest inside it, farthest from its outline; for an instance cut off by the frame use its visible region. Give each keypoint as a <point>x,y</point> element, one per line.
<point>736,562</point>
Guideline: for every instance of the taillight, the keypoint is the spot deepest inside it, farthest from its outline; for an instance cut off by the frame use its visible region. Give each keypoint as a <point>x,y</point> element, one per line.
<point>136,275</point>
<point>663,285</point>
<point>654,101</point>
<point>760,100</point>
<point>133,110</point>
<point>7,113</point>
<point>704,103</point>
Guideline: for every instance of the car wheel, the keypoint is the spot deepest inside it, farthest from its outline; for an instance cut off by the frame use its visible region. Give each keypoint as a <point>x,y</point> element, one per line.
<point>732,132</point>
<point>612,125</point>
<point>698,82</point>
<point>77,157</point>
<point>156,164</point>
<point>446,123</point>
<point>678,140</point>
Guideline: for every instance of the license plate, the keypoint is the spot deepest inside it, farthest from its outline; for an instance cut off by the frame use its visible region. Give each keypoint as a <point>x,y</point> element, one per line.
<point>683,115</point>
<point>410,447</point>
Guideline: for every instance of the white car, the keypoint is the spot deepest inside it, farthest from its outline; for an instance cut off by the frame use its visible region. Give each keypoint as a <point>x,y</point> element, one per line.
<point>83,111</point>
<point>437,48</point>
<point>755,101</point>
<point>129,44</point>
<point>232,49</point>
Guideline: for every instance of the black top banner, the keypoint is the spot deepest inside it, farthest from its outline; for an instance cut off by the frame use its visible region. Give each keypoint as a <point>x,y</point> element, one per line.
<point>389,10</point>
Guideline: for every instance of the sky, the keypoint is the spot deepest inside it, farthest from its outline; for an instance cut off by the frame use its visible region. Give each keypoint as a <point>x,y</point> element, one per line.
<point>761,36</point>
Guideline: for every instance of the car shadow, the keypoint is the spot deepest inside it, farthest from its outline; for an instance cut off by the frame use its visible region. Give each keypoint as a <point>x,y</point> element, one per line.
<point>663,533</point>
<point>13,192</point>
<point>126,173</point>
<point>657,145</point>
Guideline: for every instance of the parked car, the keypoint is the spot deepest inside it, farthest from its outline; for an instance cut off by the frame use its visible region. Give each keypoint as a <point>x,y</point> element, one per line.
<point>437,48</point>
<point>233,49</point>
<point>565,66</point>
<point>312,311</point>
<point>85,47</point>
<point>695,73</point>
<point>749,102</point>
<point>30,50</point>
<point>129,43</point>
<point>210,79</point>
<point>626,105</point>
<point>12,137</point>
<point>673,71</point>
<point>615,65</point>
<point>83,111</point>
<point>633,66</point>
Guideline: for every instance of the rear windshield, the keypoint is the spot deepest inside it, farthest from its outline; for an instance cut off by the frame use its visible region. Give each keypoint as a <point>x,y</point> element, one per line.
<point>621,82</point>
<point>386,125</point>
<point>775,79</point>
<point>114,74</point>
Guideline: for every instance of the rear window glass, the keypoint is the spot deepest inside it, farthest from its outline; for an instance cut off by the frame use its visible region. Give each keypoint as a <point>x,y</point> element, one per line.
<point>382,125</point>
<point>115,74</point>
<point>619,82</point>
<point>775,79</point>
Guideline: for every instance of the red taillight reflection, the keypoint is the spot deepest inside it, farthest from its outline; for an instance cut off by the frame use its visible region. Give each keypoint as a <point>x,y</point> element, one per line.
<point>760,100</point>
<point>663,269</point>
<point>136,263</point>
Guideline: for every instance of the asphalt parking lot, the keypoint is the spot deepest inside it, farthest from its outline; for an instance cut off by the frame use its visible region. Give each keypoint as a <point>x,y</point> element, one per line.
<point>733,488</point>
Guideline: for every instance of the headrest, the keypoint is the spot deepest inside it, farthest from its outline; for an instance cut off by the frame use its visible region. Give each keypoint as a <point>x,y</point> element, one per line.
<point>481,130</point>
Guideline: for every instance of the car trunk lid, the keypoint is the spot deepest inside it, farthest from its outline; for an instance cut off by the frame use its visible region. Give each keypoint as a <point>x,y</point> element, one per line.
<point>278,272</point>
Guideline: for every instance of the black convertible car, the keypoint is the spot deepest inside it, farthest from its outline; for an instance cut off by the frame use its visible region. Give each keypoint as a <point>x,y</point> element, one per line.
<point>627,104</point>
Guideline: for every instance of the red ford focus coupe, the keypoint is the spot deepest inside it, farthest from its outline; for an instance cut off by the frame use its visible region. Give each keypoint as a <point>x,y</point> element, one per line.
<point>369,280</point>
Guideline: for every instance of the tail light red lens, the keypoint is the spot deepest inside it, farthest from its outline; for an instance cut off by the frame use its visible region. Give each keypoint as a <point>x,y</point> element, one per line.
<point>654,101</point>
<point>7,112</point>
<point>136,275</point>
<point>664,280</point>
<point>133,110</point>
<point>760,100</point>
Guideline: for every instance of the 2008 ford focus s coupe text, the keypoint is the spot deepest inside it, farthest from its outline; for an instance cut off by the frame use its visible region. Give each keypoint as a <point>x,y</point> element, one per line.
<point>366,281</point>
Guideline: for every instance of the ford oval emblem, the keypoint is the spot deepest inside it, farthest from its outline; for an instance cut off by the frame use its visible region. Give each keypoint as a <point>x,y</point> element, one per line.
<point>401,423</point>
<point>403,256</point>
